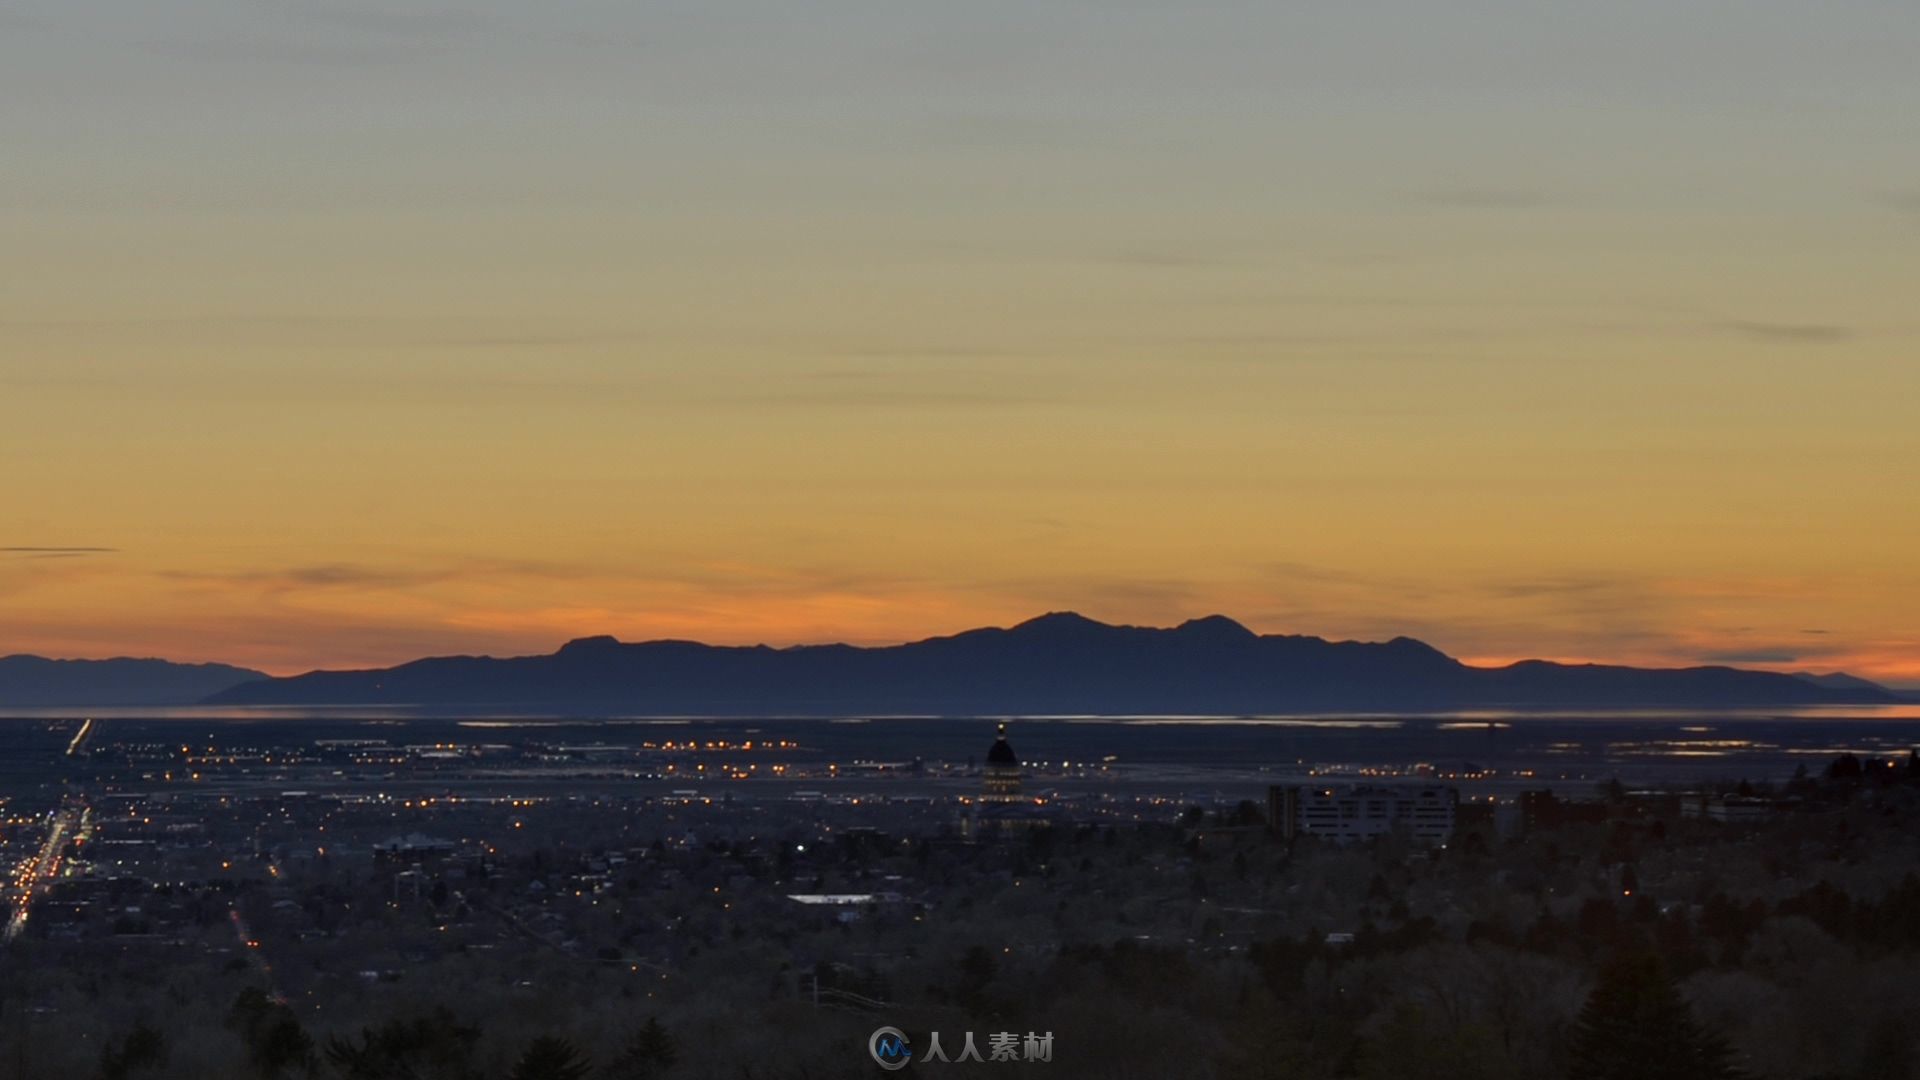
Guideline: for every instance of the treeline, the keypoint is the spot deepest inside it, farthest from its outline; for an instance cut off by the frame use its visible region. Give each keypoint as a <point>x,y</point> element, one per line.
<point>433,1045</point>
<point>1889,923</point>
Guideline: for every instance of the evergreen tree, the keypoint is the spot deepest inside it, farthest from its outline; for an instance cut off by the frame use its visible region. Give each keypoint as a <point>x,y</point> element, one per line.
<point>431,1047</point>
<point>1635,1026</point>
<point>1801,777</point>
<point>648,1055</point>
<point>551,1058</point>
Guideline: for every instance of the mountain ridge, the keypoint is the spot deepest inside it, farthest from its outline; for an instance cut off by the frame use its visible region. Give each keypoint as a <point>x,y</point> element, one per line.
<point>1056,663</point>
<point>28,681</point>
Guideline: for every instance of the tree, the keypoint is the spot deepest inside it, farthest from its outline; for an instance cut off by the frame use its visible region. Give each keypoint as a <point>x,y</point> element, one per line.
<point>276,1043</point>
<point>550,1058</point>
<point>143,1049</point>
<point>1411,1044</point>
<point>649,1054</point>
<point>1635,1026</point>
<point>432,1046</point>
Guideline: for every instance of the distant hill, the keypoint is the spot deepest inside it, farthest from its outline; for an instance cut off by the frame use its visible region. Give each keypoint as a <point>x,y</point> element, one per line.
<point>34,681</point>
<point>1056,664</point>
<point>1840,680</point>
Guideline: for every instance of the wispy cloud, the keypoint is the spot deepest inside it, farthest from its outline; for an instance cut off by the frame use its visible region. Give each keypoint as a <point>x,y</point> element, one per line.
<point>1531,588</point>
<point>1753,656</point>
<point>367,577</point>
<point>31,552</point>
<point>1791,333</point>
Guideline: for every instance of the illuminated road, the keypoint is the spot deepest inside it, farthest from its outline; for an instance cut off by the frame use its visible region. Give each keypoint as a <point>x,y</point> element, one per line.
<point>250,948</point>
<point>80,738</point>
<point>38,873</point>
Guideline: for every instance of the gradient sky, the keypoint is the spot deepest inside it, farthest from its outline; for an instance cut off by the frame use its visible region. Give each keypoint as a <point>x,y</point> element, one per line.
<point>341,333</point>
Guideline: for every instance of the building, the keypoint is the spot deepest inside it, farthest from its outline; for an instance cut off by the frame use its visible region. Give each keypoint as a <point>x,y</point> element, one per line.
<point>412,847</point>
<point>1729,809</point>
<point>1003,808</point>
<point>1344,815</point>
<point>1000,783</point>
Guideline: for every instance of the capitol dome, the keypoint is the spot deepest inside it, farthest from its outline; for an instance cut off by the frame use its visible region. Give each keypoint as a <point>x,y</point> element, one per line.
<point>1000,781</point>
<point>1002,753</point>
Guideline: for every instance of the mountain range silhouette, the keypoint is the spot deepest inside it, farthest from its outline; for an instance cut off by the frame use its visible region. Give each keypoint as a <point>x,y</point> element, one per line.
<point>35,681</point>
<point>1058,664</point>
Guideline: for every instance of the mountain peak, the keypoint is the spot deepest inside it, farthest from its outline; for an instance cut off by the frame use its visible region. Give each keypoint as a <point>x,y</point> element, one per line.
<point>1215,626</point>
<point>1838,680</point>
<point>1061,620</point>
<point>598,643</point>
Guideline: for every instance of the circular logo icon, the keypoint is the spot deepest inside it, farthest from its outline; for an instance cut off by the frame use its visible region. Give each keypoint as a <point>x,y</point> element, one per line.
<point>889,1048</point>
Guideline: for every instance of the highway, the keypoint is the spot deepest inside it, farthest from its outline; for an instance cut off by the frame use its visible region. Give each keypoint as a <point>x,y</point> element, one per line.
<point>38,873</point>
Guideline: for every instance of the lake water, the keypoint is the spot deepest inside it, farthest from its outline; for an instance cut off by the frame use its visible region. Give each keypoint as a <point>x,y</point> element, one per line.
<point>1647,747</point>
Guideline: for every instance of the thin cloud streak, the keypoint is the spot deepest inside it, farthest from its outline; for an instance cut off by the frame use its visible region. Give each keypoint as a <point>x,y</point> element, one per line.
<point>358,576</point>
<point>1792,333</point>
<point>30,552</point>
<point>1745,657</point>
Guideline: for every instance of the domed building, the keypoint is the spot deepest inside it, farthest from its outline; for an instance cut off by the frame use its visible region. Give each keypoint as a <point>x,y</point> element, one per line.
<point>1000,782</point>
<point>1004,809</point>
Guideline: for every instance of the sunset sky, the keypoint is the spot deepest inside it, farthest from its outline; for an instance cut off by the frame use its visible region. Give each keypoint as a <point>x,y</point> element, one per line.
<point>343,333</point>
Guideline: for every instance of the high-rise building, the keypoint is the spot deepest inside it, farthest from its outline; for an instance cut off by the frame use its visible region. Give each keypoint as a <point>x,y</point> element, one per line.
<point>1343,815</point>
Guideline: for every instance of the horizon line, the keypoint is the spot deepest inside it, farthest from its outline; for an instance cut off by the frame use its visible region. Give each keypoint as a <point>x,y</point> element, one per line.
<point>1474,661</point>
